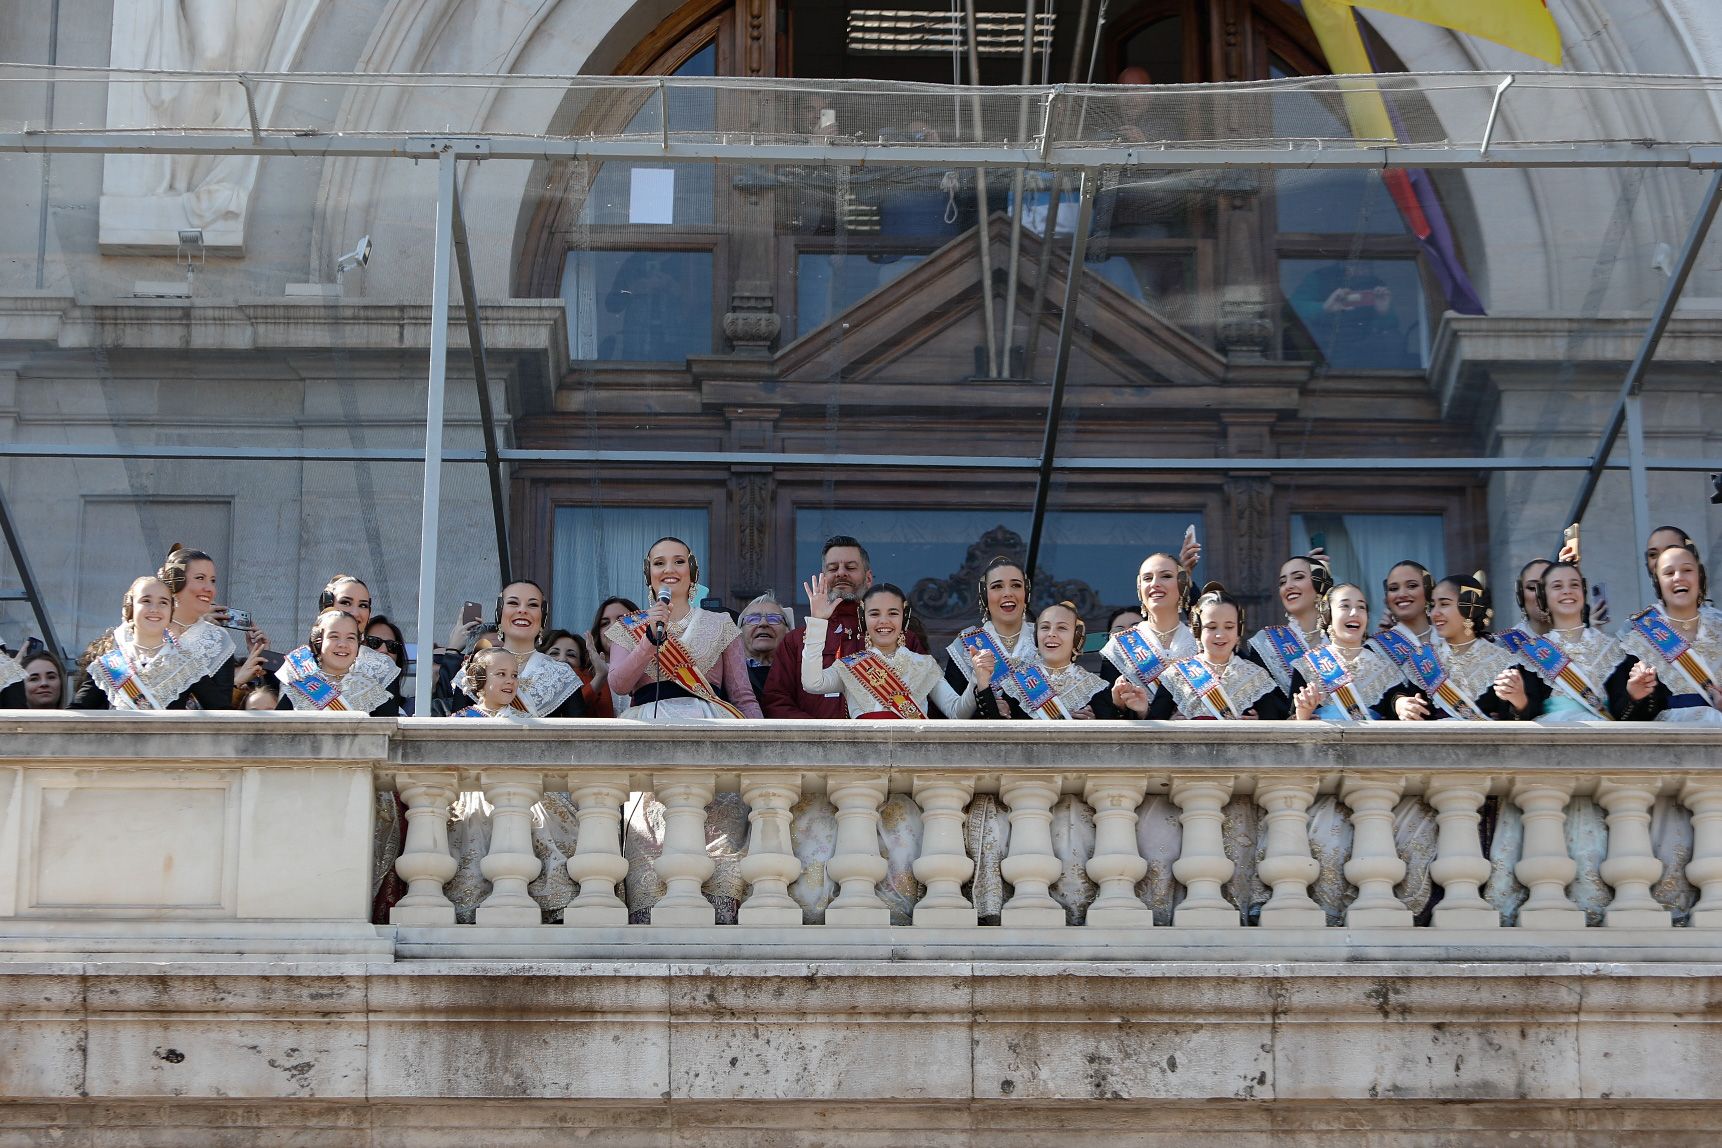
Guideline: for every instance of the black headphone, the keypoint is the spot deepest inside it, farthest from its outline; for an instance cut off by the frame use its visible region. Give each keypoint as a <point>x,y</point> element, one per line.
<point>981,585</point>
<point>890,588</point>
<point>326,600</point>
<point>1584,589</point>
<point>646,563</point>
<point>1324,604</point>
<point>544,607</point>
<point>1213,593</point>
<point>315,641</point>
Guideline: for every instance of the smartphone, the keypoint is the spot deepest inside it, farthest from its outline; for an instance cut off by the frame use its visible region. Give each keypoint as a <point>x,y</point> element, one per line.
<point>271,660</point>
<point>239,620</point>
<point>1571,535</point>
<point>1318,541</point>
<point>470,612</point>
<point>1189,534</point>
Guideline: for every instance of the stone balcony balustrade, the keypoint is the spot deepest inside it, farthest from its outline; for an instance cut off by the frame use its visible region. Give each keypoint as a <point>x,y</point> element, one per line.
<point>942,932</point>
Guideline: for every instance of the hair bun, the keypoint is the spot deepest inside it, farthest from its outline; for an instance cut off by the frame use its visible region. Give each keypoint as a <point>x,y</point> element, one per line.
<point>1212,588</point>
<point>1481,577</point>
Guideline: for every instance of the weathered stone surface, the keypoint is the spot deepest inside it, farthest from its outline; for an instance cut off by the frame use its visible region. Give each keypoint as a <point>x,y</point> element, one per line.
<point>1245,847</point>
<point>813,836</point>
<point>900,843</point>
<point>1159,838</point>
<point>986,836</point>
<point>1073,843</point>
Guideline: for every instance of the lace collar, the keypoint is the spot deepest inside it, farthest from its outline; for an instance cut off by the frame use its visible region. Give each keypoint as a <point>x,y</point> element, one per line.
<point>1592,651</point>
<point>704,634</point>
<point>1706,643</point>
<point>1372,673</point>
<point>543,684</point>
<point>358,692</point>
<point>164,675</point>
<point>1474,669</point>
<point>1074,685</point>
<point>375,665</point>
<point>11,673</point>
<point>918,671</point>
<point>1183,645</point>
<point>1265,649</point>
<point>1017,653</point>
<point>1242,681</point>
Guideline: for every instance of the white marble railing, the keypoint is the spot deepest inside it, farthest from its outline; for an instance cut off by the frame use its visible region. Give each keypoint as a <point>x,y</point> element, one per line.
<point>1092,830</point>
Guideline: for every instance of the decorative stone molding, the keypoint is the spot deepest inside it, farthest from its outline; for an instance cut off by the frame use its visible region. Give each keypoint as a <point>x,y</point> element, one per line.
<point>511,863</point>
<point>1288,867</point>
<point>1031,865</point>
<point>857,865</point>
<point>1117,864</point>
<point>943,865</point>
<point>425,863</point>
<point>1546,868</point>
<point>1203,867</point>
<point>1460,867</point>
<point>770,865</point>
<point>597,864</point>
<point>1375,866</point>
<point>684,864</point>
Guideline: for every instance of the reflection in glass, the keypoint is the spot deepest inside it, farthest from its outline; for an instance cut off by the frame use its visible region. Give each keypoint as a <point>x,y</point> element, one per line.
<point>596,553</point>
<point>1358,314</point>
<point>1165,282</point>
<point>610,200</point>
<point>1364,547</point>
<point>638,306</point>
<point>826,285</point>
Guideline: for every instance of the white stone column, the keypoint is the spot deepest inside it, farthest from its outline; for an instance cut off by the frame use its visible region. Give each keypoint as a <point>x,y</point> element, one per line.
<point>1288,867</point>
<point>511,864</point>
<point>597,864</point>
<point>1375,865</point>
<point>770,864</point>
<point>1032,866</point>
<point>684,864</point>
<point>1632,866</point>
<point>1202,865</point>
<point>944,863</point>
<point>1117,863</point>
<point>1703,796</point>
<point>856,863</point>
<point>1545,869</point>
<point>425,863</point>
<point>1459,866</point>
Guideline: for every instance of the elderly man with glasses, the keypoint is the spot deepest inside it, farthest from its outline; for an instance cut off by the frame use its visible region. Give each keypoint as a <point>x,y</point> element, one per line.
<point>763,625</point>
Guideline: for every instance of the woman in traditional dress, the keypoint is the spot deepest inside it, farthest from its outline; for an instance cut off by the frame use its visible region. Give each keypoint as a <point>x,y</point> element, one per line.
<point>1409,588</point>
<point>149,668</point>
<point>1144,651</point>
<point>673,659</point>
<point>1304,586</point>
<point>1679,640</point>
<point>1052,683</point>
<point>567,646</point>
<point>323,676</point>
<point>491,672</point>
<point>190,577</point>
<point>885,679</point>
<point>12,693</point>
<point>544,686</point>
<point>346,592</point>
<point>1343,678</point>
<point>1585,672</point>
<point>1462,673</point>
<point>1218,682</point>
<point>1003,594</point>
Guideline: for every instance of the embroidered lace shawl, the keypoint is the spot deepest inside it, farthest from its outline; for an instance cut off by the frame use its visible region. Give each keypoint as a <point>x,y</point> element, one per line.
<point>1372,674</point>
<point>376,665</point>
<point>180,663</point>
<point>11,673</point>
<point>1706,644</point>
<point>705,634</point>
<point>1242,681</point>
<point>1594,653</point>
<point>544,683</point>
<point>1074,685</point>
<point>1018,653</point>
<point>1264,648</point>
<point>358,692</point>
<point>1473,671</point>
<point>1183,645</point>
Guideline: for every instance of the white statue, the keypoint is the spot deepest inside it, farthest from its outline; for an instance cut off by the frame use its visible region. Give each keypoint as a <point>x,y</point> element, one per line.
<point>148,199</point>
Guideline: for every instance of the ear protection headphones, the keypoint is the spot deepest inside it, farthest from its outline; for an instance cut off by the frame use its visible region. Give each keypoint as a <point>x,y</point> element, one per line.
<point>1324,605</point>
<point>890,588</point>
<point>1428,578</point>
<point>1584,588</point>
<point>543,608</point>
<point>326,600</point>
<point>646,563</point>
<point>320,626</point>
<point>1214,593</point>
<point>999,561</point>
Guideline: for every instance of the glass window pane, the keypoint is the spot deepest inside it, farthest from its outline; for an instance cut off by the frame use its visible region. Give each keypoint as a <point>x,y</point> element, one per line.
<point>1162,281</point>
<point>638,306</point>
<point>1364,547</point>
<point>1355,313</point>
<point>829,284</point>
<point>617,197</point>
<point>597,552</point>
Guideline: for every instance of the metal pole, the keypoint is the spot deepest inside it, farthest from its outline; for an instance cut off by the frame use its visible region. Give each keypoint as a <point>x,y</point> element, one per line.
<point>1630,385</point>
<point>1061,364</point>
<point>982,224</point>
<point>1015,265</point>
<point>32,591</point>
<point>426,664</point>
<point>486,414</point>
<point>1640,488</point>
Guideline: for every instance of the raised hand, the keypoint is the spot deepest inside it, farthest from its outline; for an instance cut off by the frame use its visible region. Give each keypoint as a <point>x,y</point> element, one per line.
<point>1189,554</point>
<point>819,603</point>
<point>1307,701</point>
<point>983,663</point>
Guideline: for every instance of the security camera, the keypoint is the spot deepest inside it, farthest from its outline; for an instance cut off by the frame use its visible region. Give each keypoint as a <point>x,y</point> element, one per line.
<point>1716,487</point>
<point>359,256</point>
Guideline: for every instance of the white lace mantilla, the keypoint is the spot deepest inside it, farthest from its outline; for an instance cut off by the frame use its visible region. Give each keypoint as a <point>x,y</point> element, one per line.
<point>1706,643</point>
<point>1473,670</point>
<point>1372,673</point>
<point>1243,682</point>
<point>170,671</point>
<point>542,684</point>
<point>1018,653</point>
<point>1264,648</point>
<point>376,665</point>
<point>1593,652</point>
<point>1074,685</point>
<point>918,672</point>
<point>11,673</point>
<point>1183,645</point>
<point>359,693</point>
<point>704,634</point>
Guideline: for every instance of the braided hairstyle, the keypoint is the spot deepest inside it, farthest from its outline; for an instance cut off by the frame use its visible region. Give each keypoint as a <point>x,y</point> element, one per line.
<point>1476,604</point>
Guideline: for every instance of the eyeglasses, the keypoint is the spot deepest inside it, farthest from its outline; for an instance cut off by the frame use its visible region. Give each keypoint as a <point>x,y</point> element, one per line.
<point>762,620</point>
<point>381,643</point>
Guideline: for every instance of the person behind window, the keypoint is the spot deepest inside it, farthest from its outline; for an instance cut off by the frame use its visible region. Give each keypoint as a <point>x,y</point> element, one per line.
<point>1483,680</point>
<point>198,623</point>
<point>885,679</point>
<point>1368,675</point>
<point>764,622</point>
<point>1679,641</point>
<point>44,681</point>
<point>1069,691</point>
<point>1303,587</point>
<point>1144,651</point>
<point>673,658</point>
<point>569,647</point>
<point>1003,596</point>
<point>1217,682</point>
<point>323,674</point>
<point>148,668</point>
<point>491,672</point>
<point>543,686</point>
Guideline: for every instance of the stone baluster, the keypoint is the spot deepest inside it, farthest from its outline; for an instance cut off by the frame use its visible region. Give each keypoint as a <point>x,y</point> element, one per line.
<point>684,863</point>
<point>1545,869</point>
<point>1375,865</point>
<point>597,864</point>
<point>944,863</point>
<point>425,863</point>
<point>1117,863</point>
<point>1288,868</point>
<point>770,864</point>
<point>511,864</point>
<point>1202,866</point>
<point>1032,866</point>
<point>1460,867</point>
<point>1632,866</point>
<point>856,863</point>
<point>1703,796</point>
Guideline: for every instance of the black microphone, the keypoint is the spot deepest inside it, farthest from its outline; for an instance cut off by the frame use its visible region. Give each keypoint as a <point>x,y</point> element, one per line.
<point>658,633</point>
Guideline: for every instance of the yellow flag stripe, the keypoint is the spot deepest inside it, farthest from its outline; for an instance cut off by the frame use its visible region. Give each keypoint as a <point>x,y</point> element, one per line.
<point>1523,25</point>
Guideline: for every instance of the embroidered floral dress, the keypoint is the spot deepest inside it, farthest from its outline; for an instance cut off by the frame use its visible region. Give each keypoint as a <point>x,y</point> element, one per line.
<point>713,644</point>
<point>1246,686</point>
<point>1471,671</point>
<point>1373,677</point>
<point>919,674</point>
<point>1075,687</point>
<point>544,687</point>
<point>307,687</point>
<point>186,672</point>
<point>1684,700</point>
<point>1177,646</point>
<point>1262,642</point>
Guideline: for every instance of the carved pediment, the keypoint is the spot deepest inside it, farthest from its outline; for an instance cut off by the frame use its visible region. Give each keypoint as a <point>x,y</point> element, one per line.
<point>925,325</point>
<point>956,597</point>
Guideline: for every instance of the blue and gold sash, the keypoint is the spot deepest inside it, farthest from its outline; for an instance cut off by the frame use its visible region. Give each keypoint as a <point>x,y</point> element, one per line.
<point>1675,650</point>
<point>1206,688</point>
<point>1287,644</point>
<point>120,677</point>
<point>1336,680</point>
<point>471,711</point>
<point>1423,669</point>
<point>1556,668</point>
<point>1145,665</point>
<point>676,665</point>
<point>977,641</point>
<point>877,677</point>
<point>1036,694</point>
<point>308,679</point>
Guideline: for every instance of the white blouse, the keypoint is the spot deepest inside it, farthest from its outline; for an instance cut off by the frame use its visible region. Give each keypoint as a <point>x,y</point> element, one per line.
<point>919,672</point>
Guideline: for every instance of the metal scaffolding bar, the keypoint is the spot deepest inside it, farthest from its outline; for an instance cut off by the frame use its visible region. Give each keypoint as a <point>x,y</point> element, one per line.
<point>425,685</point>
<point>1060,364</point>
<point>1634,380</point>
<point>486,414</point>
<point>32,591</point>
